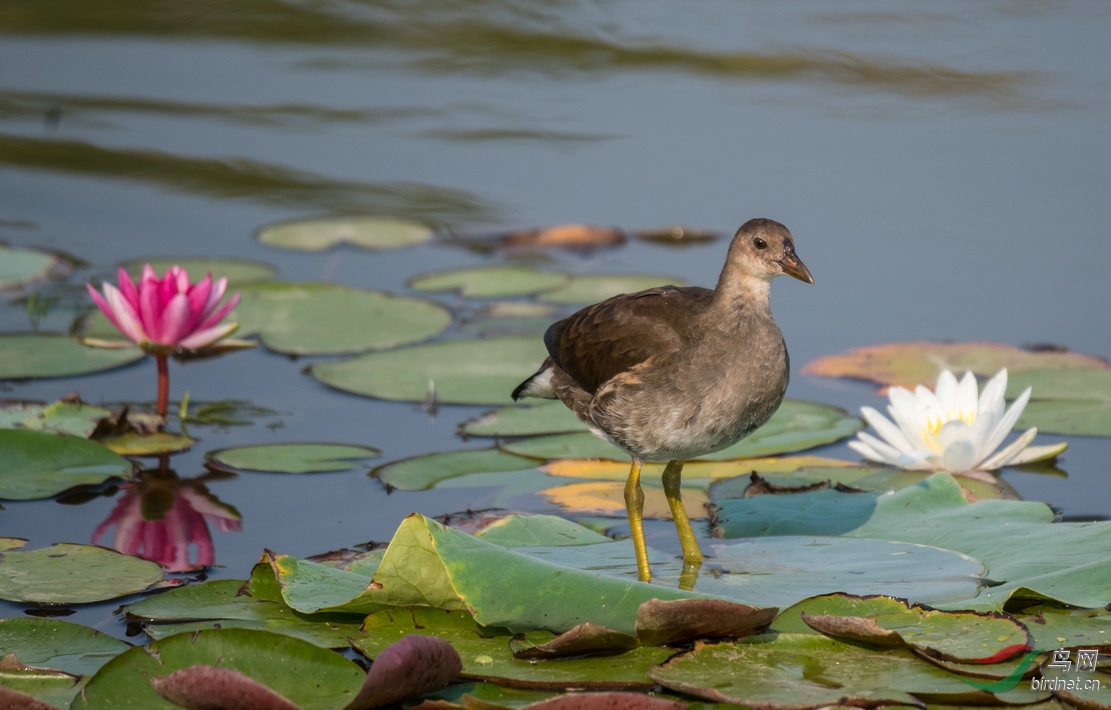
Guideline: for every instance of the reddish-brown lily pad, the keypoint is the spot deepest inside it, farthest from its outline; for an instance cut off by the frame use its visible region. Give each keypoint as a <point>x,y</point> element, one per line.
<point>918,362</point>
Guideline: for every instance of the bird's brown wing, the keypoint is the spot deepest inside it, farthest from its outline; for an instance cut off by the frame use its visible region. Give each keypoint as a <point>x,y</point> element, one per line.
<point>610,337</point>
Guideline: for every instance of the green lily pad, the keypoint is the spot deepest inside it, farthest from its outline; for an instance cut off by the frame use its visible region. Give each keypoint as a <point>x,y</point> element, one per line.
<point>39,464</point>
<point>236,271</point>
<point>58,652</point>
<point>229,603</point>
<point>811,671</point>
<point>546,417</point>
<point>598,287</point>
<point>919,363</point>
<point>1054,627</point>
<point>320,318</point>
<point>1036,559</point>
<point>292,458</point>
<point>1065,401</point>
<point>66,573</point>
<point>27,355</point>
<point>538,531</point>
<point>20,267</point>
<point>421,472</point>
<point>796,426</point>
<point>486,655</point>
<point>489,281</point>
<point>309,676</point>
<point>136,444</point>
<point>458,371</point>
<point>73,418</point>
<point>320,233</point>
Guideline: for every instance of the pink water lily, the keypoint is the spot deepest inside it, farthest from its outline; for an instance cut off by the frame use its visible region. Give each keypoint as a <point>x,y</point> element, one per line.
<point>161,315</point>
<point>164,315</point>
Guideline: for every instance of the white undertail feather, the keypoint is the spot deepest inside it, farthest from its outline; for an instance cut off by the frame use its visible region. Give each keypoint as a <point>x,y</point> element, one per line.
<point>539,385</point>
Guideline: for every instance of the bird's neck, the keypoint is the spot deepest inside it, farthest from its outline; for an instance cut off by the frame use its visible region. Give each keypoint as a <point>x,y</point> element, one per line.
<point>741,293</point>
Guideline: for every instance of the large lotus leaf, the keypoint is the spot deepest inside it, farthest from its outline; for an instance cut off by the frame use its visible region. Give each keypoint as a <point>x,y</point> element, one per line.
<point>421,472</point>
<point>73,574</point>
<point>804,670</point>
<point>230,603</point>
<point>368,232</point>
<point>598,287</point>
<point>452,372</point>
<point>321,319</point>
<point>1065,401</point>
<point>919,363</point>
<point>796,426</point>
<point>1027,555</point>
<point>56,651</point>
<point>865,478</point>
<point>428,564</point>
<point>489,281</point>
<point>25,355</point>
<point>62,417</point>
<point>309,676</point>
<point>19,267</point>
<point>39,464</point>
<point>485,652</point>
<point>292,458</point>
<point>783,570</point>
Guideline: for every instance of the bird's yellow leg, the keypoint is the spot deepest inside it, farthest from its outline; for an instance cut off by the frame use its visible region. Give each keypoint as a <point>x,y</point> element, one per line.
<point>671,480</point>
<point>634,507</point>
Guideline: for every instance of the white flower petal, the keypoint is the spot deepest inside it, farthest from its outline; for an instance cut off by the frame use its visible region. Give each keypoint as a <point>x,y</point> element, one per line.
<point>1004,457</point>
<point>868,453</point>
<point>1032,454</point>
<point>909,414</point>
<point>920,461</point>
<point>959,456</point>
<point>967,396</point>
<point>946,390</point>
<point>1007,421</point>
<point>883,426</point>
<point>886,452</point>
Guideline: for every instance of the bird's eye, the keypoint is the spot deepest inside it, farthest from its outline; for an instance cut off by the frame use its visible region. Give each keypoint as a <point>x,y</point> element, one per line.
<point>759,243</point>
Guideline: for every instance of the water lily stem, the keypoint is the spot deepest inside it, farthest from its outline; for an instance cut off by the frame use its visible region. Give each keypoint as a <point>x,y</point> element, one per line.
<point>163,385</point>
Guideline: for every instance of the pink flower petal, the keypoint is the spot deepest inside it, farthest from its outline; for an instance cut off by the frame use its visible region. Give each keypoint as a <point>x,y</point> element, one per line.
<point>219,287</point>
<point>208,336</point>
<point>150,309</point>
<point>123,316</point>
<point>127,288</point>
<point>198,302</point>
<point>175,320</point>
<point>221,312</point>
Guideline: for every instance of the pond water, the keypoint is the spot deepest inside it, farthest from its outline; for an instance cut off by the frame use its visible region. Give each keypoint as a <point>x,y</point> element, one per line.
<point>945,172</point>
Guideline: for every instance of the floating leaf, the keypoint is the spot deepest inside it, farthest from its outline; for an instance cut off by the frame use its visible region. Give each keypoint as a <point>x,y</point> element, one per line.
<point>292,458</point>
<point>312,678</point>
<point>25,355</point>
<point>320,318</point>
<point>73,574</point>
<point>39,464</point>
<point>207,686</point>
<point>919,363</point>
<point>546,417</point>
<point>797,425</point>
<point>236,271</point>
<point>57,650</point>
<point>811,671</point>
<point>135,444</point>
<point>61,417</point>
<point>598,287</point>
<point>677,236</point>
<point>229,603</point>
<point>586,639</point>
<point>407,669</point>
<point>572,236</point>
<point>458,371</point>
<point>421,472</point>
<point>537,531</point>
<point>1037,559</point>
<point>608,498</point>
<point>686,620</point>
<point>485,653</point>
<point>20,267</point>
<point>693,471</point>
<point>489,281</point>
<point>368,232</point>
<point>1065,401</point>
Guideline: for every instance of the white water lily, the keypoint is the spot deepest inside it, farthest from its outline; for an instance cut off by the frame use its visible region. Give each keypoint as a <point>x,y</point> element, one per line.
<point>951,429</point>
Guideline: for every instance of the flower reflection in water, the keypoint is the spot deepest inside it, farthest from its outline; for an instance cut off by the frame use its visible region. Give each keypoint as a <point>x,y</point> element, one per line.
<point>163,518</point>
